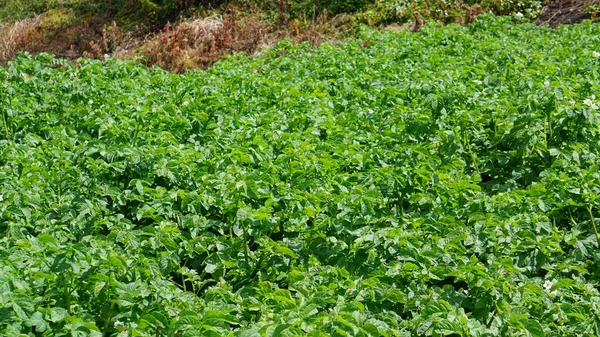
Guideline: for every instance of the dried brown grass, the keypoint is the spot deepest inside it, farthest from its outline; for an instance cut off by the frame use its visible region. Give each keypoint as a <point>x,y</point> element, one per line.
<point>193,43</point>
<point>113,41</point>
<point>201,42</point>
<point>16,37</point>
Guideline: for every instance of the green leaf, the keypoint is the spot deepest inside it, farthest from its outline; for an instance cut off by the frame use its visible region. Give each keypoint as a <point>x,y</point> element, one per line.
<point>57,314</point>
<point>279,329</point>
<point>534,328</point>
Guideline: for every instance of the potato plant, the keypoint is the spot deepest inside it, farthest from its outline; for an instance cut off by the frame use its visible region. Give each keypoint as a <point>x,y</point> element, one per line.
<point>443,183</point>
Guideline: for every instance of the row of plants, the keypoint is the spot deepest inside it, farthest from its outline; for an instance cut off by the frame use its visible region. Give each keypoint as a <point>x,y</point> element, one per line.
<point>435,184</point>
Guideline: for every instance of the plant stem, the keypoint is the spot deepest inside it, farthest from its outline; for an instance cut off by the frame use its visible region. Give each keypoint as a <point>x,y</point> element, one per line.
<point>183,277</point>
<point>473,158</point>
<point>281,229</point>
<point>549,114</point>
<point>108,318</point>
<point>4,119</point>
<point>246,252</point>
<point>589,208</point>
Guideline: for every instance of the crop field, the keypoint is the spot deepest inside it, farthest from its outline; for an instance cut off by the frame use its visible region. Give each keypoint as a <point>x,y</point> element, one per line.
<point>442,183</point>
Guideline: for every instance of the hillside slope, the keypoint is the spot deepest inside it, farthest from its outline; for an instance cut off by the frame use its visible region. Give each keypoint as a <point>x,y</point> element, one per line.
<point>184,34</point>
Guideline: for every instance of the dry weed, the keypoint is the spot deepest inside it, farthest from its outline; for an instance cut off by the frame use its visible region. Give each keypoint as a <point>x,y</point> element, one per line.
<point>201,42</point>
<point>16,37</point>
<point>194,43</point>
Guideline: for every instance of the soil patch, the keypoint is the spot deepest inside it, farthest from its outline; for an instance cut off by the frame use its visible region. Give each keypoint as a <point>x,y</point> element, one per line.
<point>559,12</point>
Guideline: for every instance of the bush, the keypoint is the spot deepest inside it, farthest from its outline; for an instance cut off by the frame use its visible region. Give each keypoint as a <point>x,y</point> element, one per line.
<point>303,7</point>
<point>13,10</point>
<point>129,11</point>
<point>448,11</point>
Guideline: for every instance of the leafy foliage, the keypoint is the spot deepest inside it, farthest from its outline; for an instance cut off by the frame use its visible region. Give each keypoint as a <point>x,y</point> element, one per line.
<point>133,11</point>
<point>18,9</point>
<point>387,11</point>
<point>435,184</point>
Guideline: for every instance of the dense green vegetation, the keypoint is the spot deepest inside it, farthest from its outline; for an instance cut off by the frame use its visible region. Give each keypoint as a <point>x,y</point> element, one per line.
<point>374,11</point>
<point>443,183</point>
<point>127,11</point>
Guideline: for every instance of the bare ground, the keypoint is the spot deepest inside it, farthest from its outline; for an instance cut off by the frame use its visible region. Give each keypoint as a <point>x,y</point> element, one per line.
<point>559,12</point>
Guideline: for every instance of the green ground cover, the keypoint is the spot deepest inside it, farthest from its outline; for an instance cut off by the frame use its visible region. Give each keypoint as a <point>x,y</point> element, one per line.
<point>443,183</point>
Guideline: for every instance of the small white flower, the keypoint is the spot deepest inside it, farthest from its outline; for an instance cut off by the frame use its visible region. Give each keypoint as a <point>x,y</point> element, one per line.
<point>134,325</point>
<point>588,102</point>
<point>519,15</point>
<point>596,54</point>
<point>186,103</point>
<point>546,83</point>
<point>118,323</point>
<point>548,284</point>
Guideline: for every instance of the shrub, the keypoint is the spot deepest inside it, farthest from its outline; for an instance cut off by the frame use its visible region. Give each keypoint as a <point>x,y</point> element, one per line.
<point>13,10</point>
<point>387,11</point>
<point>302,7</point>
